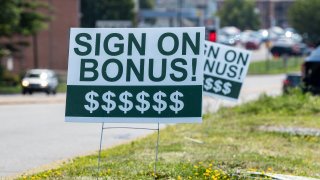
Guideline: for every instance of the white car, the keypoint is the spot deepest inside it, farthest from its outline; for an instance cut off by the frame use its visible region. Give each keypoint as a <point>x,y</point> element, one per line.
<point>44,80</point>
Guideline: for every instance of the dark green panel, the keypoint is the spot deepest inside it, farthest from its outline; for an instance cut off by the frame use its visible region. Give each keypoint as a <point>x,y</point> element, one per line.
<point>221,87</point>
<point>76,101</point>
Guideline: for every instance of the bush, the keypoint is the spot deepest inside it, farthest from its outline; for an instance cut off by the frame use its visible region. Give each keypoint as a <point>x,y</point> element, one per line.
<point>8,78</point>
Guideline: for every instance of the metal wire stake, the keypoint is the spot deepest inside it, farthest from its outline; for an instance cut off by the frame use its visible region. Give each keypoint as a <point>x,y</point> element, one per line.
<point>155,164</point>
<point>99,157</point>
<point>130,128</point>
<point>101,137</point>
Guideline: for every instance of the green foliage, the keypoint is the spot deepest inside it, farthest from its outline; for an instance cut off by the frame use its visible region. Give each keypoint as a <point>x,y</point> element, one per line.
<point>146,4</point>
<point>31,21</point>
<point>1,73</point>
<point>294,104</point>
<point>226,145</point>
<point>9,82</point>
<point>9,17</point>
<point>62,87</point>
<point>105,10</point>
<point>239,13</point>
<point>9,79</point>
<point>10,89</point>
<point>304,16</point>
<point>21,17</point>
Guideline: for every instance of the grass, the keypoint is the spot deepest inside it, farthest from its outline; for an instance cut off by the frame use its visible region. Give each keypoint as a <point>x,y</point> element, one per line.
<point>10,89</point>
<point>227,145</point>
<point>275,66</point>
<point>62,87</point>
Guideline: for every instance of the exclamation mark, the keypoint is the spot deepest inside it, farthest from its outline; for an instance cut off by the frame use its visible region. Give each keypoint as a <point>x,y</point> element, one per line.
<point>194,67</point>
<point>240,74</point>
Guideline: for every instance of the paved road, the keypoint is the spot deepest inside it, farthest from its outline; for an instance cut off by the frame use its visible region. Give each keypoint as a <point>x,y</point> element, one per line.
<point>34,135</point>
<point>33,132</point>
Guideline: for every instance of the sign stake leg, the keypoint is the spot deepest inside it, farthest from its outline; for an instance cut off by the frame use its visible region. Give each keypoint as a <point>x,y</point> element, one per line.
<point>157,147</point>
<point>99,156</point>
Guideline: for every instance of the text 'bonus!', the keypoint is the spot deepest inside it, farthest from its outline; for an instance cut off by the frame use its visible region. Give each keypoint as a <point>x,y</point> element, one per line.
<point>142,101</point>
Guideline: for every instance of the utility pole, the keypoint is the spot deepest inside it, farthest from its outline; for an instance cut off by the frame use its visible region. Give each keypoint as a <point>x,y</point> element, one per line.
<point>268,43</point>
<point>180,12</point>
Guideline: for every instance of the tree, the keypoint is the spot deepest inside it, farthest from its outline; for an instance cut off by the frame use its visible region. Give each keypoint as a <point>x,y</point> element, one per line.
<point>22,17</point>
<point>239,13</point>
<point>304,16</point>
<point>9,17</point>
<point>105,10</point>
<point>31,19</point>
<point>19,17</point>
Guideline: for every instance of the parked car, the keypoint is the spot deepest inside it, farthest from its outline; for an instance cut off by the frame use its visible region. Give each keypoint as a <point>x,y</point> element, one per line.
<point>264,33</point>
<point>291,81</point>
<point>287,46</point>
<point>229,35</point>
<point>251,40</point>
<point>43,80</point>
<point>311,72</point>
<point>226,39</point>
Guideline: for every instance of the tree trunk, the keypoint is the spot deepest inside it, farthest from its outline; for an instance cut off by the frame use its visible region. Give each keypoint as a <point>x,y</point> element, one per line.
<point>35,51</point>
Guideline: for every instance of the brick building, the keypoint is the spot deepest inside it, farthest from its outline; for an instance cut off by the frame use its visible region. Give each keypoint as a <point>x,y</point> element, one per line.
<point>51,47</point>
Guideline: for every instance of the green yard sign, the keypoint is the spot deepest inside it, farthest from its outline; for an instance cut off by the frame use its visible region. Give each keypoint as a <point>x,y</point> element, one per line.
<point>135,75</point>
<point>225,68</point>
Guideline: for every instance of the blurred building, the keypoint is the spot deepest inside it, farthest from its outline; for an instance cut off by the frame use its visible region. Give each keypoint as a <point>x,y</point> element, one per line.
<point>49,48</point>
<point>175,13</point>
<point>272,12</point>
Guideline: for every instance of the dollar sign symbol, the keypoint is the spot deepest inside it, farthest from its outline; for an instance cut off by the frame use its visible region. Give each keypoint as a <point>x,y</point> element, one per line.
<point>127,106</point>
<point>227,88</point>
<point>208,84</point>
<point>93,104</point>
<point>162,105</point>
<point>217,86</point>
<point>145,105</point>
<point>111,105</point>
<point>178,104</point>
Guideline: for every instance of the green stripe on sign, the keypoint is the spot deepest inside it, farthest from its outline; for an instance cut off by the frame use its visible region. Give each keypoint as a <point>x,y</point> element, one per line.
<point>222,87</point>
<point>134,101</point>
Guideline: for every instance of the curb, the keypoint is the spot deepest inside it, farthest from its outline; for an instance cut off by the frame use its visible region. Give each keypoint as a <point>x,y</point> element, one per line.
<point>36,99</point>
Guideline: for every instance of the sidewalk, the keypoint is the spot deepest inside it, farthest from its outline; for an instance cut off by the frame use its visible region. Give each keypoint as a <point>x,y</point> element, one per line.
<point>38,98</point>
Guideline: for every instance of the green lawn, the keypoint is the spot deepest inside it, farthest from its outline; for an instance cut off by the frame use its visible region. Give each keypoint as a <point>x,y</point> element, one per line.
<point>275,66</point>
<point>62,87</point>
<point>10,89</point>
<point>227,145</point>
